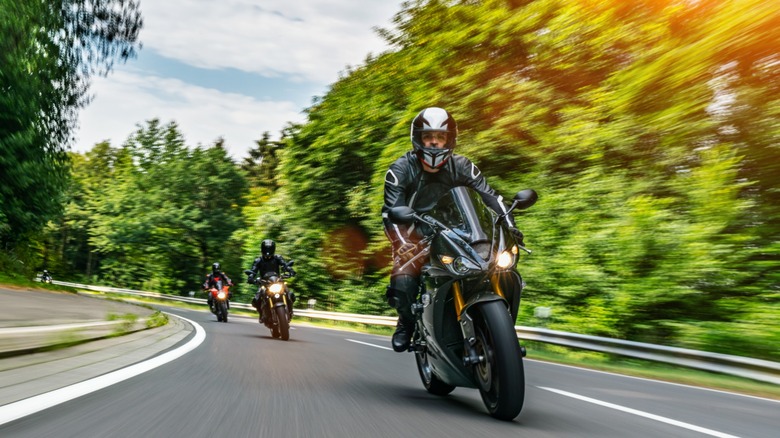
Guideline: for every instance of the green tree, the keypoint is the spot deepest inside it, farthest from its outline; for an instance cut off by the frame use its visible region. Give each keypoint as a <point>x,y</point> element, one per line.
<point>159,214</point>
<point>48,52</point>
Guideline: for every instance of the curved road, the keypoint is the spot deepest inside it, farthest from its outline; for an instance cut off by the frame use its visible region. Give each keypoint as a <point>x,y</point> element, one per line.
<point>240,382</point>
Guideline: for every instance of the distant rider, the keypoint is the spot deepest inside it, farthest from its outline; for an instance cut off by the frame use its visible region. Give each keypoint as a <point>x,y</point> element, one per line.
<point>211,282</point>
<point>268,262</point>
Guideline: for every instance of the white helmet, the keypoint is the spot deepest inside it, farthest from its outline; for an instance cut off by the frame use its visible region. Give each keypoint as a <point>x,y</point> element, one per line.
<point>434,119</point>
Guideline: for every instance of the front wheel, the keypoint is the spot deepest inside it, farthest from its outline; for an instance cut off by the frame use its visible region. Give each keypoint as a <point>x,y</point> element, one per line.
<point>284,322</point>
<point>499,376</point>
<point>222,311</point>
<point>432,383</point>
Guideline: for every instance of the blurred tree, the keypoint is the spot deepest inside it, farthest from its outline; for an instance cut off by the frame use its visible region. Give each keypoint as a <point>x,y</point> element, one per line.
<point>48,52</point>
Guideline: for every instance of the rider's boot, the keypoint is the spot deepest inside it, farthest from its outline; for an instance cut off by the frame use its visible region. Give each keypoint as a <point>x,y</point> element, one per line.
<point>400,294</point>
<point>402,337</point>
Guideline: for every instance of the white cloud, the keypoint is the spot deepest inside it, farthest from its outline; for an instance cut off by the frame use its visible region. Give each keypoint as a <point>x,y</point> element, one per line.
<point>308,41</point>
<point>312,40</point>
<point>126,99</point>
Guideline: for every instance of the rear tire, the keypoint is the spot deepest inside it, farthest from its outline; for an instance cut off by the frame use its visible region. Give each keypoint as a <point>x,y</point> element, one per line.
<point>284,322</point>
<point>500,377</point>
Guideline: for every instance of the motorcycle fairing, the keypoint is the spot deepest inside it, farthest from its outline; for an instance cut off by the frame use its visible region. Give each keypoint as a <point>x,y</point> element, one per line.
<point>472,227</point>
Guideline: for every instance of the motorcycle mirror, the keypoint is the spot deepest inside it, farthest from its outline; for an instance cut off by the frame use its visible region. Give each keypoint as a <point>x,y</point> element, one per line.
<point>247,272</point>
<point>401,215</point>
<point>291,262</point>
<point>525,198</point>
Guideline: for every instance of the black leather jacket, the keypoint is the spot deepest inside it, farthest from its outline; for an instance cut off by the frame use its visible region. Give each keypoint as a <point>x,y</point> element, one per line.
<point>407,183</point>
<point>263,266</point>
<point>211,280</point>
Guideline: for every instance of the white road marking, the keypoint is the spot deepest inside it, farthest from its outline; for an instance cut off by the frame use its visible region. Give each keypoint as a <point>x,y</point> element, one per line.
<point>370,345</point>
<point>22,408</point>
<point>641,413</point>
<point>645,379</point>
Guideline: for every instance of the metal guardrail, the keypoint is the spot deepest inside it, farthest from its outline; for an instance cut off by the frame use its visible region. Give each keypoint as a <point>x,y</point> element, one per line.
<point>756,369</point>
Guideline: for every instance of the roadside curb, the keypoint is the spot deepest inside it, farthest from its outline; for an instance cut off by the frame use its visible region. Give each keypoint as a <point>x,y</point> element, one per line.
<point>16,341</point>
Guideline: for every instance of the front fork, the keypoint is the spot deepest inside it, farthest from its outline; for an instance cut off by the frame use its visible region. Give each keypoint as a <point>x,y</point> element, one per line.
<point>470,356</point>
<point>270,306</point>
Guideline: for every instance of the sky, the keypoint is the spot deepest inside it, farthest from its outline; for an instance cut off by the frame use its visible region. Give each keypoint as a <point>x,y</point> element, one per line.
<point>231,68</point>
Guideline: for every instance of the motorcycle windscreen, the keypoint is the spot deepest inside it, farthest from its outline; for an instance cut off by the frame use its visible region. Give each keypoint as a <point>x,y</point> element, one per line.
<point>463,210</point>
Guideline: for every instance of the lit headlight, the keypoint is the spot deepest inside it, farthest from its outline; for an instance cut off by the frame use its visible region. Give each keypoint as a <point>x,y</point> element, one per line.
<point>221,295</point>
<point>275,288</point>
<point>505,259</point>
<point>446,259</point>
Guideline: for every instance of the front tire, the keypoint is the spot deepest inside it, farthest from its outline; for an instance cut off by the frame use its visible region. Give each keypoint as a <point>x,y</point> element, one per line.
<point>431,383</point>
<point>499,377</point>
<point>223,309</point>
<point>284,322</point>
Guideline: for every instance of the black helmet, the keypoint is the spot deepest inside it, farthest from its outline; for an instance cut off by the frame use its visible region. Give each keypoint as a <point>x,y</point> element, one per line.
<point>434,119</point>
<point>215,268</point>
<point>267,248</point>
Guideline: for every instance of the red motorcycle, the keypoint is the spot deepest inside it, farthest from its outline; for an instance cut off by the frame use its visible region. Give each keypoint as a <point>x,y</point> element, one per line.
<point>220,296</point>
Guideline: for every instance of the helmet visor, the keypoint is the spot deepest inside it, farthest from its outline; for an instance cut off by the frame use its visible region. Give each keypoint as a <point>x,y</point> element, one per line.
<point>439,136</point>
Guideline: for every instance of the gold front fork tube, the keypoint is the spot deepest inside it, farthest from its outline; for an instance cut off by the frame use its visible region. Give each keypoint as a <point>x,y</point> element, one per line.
<point>456,293</point>
<point>494,281</point>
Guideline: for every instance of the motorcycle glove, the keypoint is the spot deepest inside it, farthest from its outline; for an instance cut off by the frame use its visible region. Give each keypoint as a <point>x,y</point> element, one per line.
<point>406,251</point>
<point>518,235</point>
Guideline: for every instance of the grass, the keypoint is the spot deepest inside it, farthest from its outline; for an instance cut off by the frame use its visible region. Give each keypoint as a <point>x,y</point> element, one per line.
<point>17,281</point>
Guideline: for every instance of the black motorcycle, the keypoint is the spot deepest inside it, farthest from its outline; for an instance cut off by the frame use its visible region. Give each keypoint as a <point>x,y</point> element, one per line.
<point>275,302</point>
<point>464,331</point>
<point>46,278</point>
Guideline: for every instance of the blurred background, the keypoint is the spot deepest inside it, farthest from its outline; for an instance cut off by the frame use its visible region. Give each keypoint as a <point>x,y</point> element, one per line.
<point>649,128</point>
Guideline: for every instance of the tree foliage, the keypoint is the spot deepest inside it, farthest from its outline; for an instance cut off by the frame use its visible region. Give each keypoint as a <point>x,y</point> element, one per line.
<point>160,214</point>
<point>648,127</point>
<point>48,52</point>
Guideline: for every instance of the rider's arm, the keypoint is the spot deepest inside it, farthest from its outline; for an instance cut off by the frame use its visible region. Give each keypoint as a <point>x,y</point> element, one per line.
<point>287,267</point>
<point>472,177</point>
<point>396,180</point>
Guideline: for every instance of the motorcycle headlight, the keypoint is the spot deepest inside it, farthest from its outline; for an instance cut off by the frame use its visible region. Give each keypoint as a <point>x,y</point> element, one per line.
<point>505,259</point>
<point>221,295</point>
<point>275,288</point>
<point>462,265</point>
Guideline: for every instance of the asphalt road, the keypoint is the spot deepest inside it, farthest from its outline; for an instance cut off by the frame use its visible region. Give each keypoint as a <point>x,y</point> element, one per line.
<point>240,382</point>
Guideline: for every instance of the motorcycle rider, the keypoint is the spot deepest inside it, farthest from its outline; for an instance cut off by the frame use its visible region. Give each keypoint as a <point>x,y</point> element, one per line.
<point>268,262</point>
<point>45,276</point>
<point>417,180</point>
<point>211,282</point>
